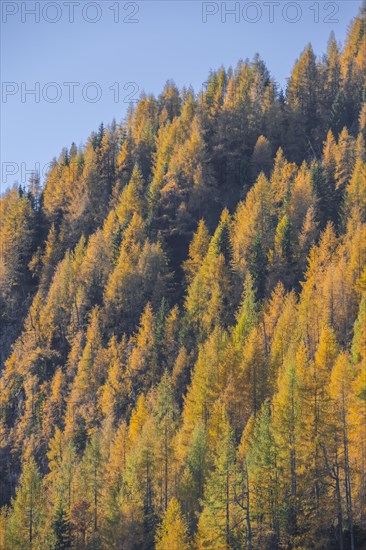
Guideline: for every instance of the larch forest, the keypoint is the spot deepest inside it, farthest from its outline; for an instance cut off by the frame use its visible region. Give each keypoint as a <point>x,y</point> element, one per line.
<point>183,321</point>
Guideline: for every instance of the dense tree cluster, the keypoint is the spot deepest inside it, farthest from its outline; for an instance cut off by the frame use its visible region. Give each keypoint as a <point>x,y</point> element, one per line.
<point>183,322</point>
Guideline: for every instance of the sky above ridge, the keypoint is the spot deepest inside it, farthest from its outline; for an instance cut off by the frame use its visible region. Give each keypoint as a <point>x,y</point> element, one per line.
<point>66,66</point>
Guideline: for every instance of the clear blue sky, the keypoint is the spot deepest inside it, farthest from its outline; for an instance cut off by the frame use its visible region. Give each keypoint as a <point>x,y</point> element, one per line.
<point>169,40</point>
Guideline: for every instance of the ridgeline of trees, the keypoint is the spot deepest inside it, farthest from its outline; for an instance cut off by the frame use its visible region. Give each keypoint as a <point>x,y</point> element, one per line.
<point>183,322</point>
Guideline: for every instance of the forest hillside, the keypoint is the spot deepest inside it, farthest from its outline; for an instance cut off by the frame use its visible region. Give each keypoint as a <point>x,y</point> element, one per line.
<point>183,321</point>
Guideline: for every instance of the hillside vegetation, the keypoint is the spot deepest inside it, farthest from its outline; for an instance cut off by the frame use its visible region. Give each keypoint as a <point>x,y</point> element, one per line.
<point>183,322</point>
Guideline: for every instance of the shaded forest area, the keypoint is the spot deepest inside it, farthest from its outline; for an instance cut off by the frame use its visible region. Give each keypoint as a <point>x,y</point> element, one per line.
<point>183,322</point>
